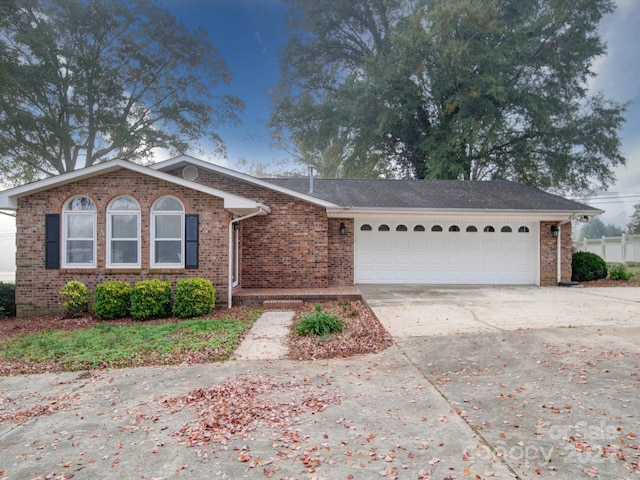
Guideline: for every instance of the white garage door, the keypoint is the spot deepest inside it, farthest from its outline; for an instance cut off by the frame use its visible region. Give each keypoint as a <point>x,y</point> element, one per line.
<point>494,252</point>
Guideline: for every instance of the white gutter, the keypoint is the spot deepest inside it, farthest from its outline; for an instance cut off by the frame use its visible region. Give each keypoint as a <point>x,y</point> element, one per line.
<point>260,211</point>
<point>559,250</point>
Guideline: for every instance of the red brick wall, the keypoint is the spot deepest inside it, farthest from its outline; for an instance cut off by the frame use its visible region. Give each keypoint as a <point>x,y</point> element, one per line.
<point>549,254</point>
<point>341,254</point>
<point>37,288</point>
<point>293,246</point>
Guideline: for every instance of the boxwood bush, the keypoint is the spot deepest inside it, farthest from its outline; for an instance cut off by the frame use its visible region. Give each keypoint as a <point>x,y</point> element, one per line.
<point>112,299</point>
<point>151,299</point>
<point>587,266</point>
<point>7,299</point>
<point>75,298</point>
<point>194,297</point>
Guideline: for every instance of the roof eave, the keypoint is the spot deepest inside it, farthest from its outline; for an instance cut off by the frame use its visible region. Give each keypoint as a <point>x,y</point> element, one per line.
<point>352,212</point>
<point>186,159</point>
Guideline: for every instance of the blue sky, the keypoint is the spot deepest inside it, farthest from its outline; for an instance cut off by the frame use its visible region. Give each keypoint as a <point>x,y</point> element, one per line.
<point>249,33</point>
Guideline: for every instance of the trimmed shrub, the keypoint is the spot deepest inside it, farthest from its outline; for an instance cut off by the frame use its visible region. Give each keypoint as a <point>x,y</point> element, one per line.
<point>619,272</point>
<point>112,299</point>
<point>75,298</point>
<point>587,266</point>
<point>194,297</point>
<point>319,323</point>
<point>7,299</point>
<point>151,299</point>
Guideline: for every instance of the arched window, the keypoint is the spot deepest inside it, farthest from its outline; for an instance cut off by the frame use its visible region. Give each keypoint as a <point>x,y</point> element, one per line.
<point>167,233</point>
<point>418,228</point>
<point>383,228</point>
<point>472,228</point>
<point>489,229</point>
<point>454,228</point>
<point>401,228</point>
<point>436,228</point>
<point>523,229</point>
<point>506,229</point>
<point>123,233</point>
<point>366,228</point>
<point>79,233</point>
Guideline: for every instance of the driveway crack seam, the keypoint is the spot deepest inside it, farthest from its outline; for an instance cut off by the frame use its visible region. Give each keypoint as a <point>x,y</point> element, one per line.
<point>475,431</point>
<point>475,317</point>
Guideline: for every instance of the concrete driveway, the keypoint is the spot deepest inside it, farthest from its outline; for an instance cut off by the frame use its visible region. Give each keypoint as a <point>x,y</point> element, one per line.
<point>414,311</point>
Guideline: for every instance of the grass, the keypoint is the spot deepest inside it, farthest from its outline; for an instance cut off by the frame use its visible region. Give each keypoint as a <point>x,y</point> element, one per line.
<point>635,269</point>
<point>105,345</point>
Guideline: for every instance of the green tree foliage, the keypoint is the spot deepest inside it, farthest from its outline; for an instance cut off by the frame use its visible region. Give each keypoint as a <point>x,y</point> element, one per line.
<point>595,228</point>
<point>634,223</point>
<point>84,81</point>
<point>470,89</point>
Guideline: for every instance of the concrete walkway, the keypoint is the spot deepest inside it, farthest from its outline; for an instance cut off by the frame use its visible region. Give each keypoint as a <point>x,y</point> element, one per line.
<point>266,339</point>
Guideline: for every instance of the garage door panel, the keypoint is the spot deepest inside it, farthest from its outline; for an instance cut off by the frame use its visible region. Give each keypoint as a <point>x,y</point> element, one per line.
<point>446,257</point>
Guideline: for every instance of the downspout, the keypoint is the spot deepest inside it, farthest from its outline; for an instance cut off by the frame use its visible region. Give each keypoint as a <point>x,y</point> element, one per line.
<point>559,250</point>
<point>230,261</point>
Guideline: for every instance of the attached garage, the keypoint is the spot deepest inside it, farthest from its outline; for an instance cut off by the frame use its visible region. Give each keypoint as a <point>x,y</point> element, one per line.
<point>446,252</point>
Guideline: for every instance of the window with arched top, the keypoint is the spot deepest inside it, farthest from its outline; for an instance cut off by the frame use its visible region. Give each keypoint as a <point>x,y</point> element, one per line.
<point>383,228</point>
<point>489,229</point>
<point>167,233</point>
<point>436,228</point>
<point>419,228</point>
<point>454,228</point>
<point>123,233</point>
<point>506,229</point>
<point>471,229</point>
<point>401,228</point>
<point>523,229</point>
<point>79,233</point>
<point>366,228</point>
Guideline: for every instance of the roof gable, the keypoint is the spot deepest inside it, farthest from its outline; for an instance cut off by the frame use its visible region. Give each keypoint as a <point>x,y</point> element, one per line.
<point>235,203</point>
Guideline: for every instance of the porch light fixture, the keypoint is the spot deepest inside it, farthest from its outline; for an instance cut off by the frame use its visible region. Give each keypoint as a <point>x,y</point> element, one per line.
<point>342,229</point>
<point>554,231</point>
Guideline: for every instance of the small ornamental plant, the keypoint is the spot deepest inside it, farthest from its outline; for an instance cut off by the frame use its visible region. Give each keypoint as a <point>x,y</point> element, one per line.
<point>151,299</point>
<point>319,323</point>
<point>619,272</point>
<point>75,298</point>
<point>194,297</point>
<point>112,299</point>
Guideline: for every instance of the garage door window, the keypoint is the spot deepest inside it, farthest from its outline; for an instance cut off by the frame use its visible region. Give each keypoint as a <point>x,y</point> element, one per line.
<point>436,228</point>
<point>523,229</point>
<point>401,228</point>
<point>454,228</point>
<point>506,229</point>
<point>418,228</point>
<point>383,228</point>
<point>489,229</point>
<point>472,229</point>
<point>366,228</point>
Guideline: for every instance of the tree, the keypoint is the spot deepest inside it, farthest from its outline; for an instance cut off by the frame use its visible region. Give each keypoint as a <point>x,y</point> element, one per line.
<point>84,81</point>
<point>597,229</point>
<point>634,224</point>
<point>469,89</point>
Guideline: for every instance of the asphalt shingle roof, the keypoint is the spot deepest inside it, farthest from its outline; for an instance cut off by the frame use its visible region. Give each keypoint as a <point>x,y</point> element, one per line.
<point>431,194</point>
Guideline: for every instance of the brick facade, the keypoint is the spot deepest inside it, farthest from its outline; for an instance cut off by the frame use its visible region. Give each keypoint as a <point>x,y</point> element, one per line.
<point>549,254</point>
<point>37,288</point>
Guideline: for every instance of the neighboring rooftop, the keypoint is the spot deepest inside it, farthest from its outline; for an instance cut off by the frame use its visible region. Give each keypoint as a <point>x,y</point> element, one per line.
<point>431,194</point>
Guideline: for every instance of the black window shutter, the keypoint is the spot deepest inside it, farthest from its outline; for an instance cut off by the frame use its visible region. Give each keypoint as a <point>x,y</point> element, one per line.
<point>52,240</point>
<point>191,240</point>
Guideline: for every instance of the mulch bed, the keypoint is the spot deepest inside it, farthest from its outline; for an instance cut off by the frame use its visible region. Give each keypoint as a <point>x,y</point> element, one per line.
<point>606,282</point>
<point>364,334</point>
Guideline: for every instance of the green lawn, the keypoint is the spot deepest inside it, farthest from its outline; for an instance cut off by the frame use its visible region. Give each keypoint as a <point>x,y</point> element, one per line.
<point>105,345</point>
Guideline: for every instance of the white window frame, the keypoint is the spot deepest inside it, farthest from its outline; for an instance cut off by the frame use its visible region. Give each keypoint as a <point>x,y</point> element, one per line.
<point>66,215</point>
<point>154,215</point>
<point>114,213</point>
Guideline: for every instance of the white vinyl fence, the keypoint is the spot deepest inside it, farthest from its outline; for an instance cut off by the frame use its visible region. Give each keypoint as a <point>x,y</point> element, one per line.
<point>624,249</point>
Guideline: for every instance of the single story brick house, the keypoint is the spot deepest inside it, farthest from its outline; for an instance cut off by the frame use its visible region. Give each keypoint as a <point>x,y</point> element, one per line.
<point>185,217</point>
